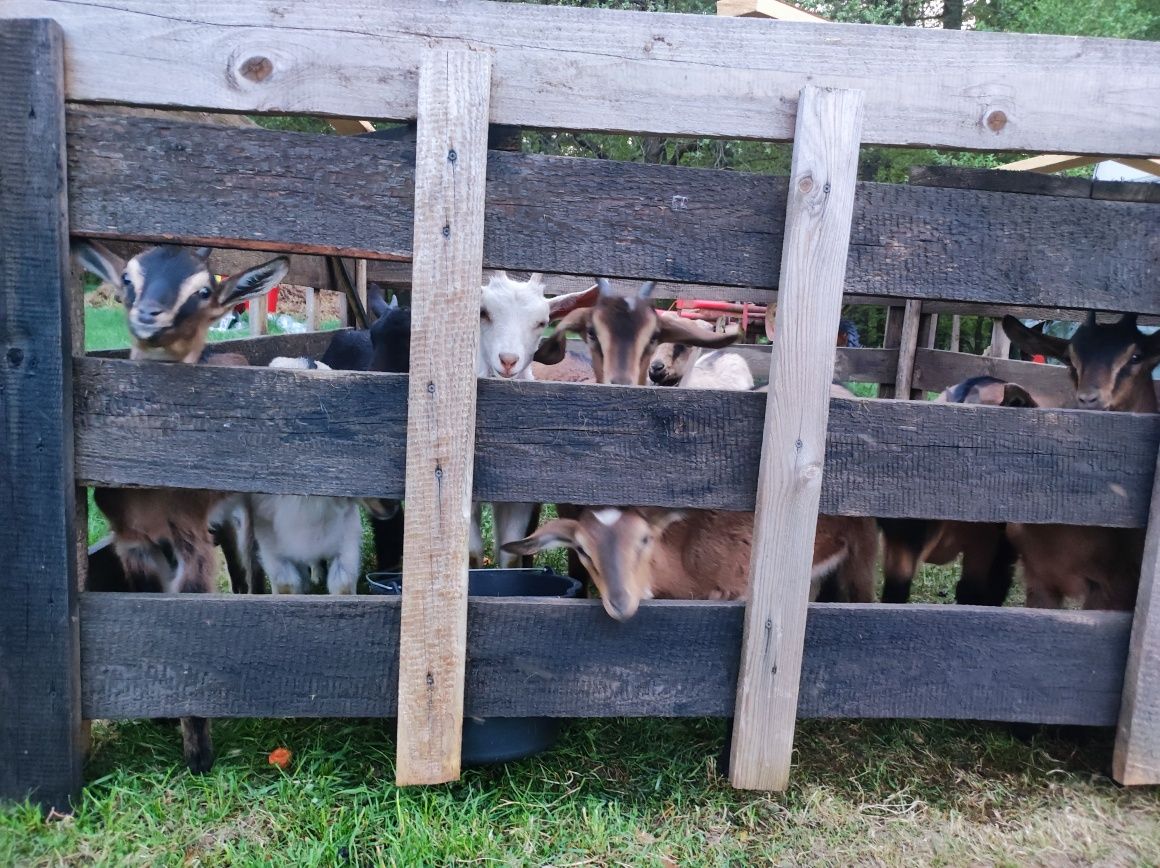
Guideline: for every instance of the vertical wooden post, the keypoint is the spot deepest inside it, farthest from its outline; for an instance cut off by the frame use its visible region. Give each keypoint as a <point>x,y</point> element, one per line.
<point>259,307</point>
<point>1136,759</point>
<point>817,239</point>
<point>929,330</point>
<point>450,170</point>
<point>360,286</point>
<point>956,332</point>
<point>907,349</point>
<point>41,748</point>
<point>891,340</point>
<point>311,294</point>
<point>1000,343</point>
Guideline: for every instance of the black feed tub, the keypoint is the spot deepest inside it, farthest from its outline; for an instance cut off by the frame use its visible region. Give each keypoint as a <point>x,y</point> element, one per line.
<point>500,739</point>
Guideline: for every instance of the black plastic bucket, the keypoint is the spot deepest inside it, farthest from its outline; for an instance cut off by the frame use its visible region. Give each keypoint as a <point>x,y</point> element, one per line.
<point>501,739</point>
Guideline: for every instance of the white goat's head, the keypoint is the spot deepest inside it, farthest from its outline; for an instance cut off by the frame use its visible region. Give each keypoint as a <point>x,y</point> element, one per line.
<point>512,316</point>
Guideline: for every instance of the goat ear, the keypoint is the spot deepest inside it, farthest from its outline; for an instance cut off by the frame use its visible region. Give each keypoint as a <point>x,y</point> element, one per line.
<point>605,287</point>
<point>253,282</point>
<point>675,330</point>
<point>552,349</point>
<point>203,253</point>
<point>660,518</point>
<point>554,534</point>
<point>99,260</point>
<point>1015,395</point>
<point>1035,342</point>
<point>1150,345</point>
<point>1128,319</point>
<point>562,305</point>
<point>646,289</point>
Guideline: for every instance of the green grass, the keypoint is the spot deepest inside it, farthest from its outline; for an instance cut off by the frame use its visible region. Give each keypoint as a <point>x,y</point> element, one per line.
<point>619,791</point>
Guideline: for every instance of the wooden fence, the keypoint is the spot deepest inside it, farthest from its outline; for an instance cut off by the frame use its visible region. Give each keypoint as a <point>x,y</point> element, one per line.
<point>439,439</point>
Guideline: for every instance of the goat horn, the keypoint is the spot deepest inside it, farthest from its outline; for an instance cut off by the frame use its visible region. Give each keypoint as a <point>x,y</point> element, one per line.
<point>646,289</point>
<point>605,286</point>
<point>203,253</point>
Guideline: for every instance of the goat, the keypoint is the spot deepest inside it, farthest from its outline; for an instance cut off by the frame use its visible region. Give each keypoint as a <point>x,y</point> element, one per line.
<point>1110,365</point>
<point>988,560</point>
<point>672,364</point>
<point>512,317</point>
<point>639,553</point>
<point>163,537</point>
<point>294,533</point>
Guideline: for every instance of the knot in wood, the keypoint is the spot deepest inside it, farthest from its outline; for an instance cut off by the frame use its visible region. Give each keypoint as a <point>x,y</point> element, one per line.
<point>16,357</point>
<point>452,156</point>
<point>430,388</point>
<point>257,68</point>
<point>447,230</point>
<point>806,184</point>
<point>995,120</point>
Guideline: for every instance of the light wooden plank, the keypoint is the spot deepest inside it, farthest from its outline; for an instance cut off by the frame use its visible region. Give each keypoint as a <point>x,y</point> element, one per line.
<point>1000,343</point>
<point>818,217</point>
<point>312,300</point>
<point>892,340</point>
<point>651,73</point>
<point>907,348</point>
<point>259,310</point>
<point>1136,759</point>
<point>956,332</point>
<point>1050,163</point>
<point>450,170</point>
<point>41,739</point>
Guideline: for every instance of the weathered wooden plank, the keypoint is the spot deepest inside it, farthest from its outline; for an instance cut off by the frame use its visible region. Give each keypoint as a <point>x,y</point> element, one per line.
<point>299,432</point>
<point>935,370</point>
<point>998,181</point>
<point>789,483</point>
<point>907,347</point>
<point>1127,191</point>
<point>1136,759</point>
<point>158,181</point>
<point>41,744</point>
<point>259,350</point>
<point>667,74</point>
<point>673,659</point>
<point>450,170</point>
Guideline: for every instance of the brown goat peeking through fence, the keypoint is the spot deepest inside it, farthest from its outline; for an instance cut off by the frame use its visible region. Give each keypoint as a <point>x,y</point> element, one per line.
<point>165,537</point>
<point>1111,368</point>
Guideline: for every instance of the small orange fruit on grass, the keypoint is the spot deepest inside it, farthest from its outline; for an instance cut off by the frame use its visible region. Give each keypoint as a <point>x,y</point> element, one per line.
<point>280,757</point>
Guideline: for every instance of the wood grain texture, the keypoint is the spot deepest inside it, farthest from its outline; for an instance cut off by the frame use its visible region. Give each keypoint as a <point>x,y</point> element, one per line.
<point>338,433</point>
<point>260,350</point>
<point>159,180</point>
<point>1136,759</point>
<point>1034,183</point>
<point>907,348</point>
<point>655,73</point>
<point>450,171</point>
<point>673,659</point>
<point>789,482</point>
<point>41,747</point>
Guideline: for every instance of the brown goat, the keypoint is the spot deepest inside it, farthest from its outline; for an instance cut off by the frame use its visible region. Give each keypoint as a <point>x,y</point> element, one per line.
<point>1111,368</point>
<point>163,536</point>
<point>638,553</point>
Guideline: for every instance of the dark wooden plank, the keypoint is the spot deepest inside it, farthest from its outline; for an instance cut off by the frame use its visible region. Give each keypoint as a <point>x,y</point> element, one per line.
<point>1000,181</point>
<point>342,433</point>
<point>1127,191</point>
<point>259,350</point>
<point>674,659</point>
<point>935,370</point>
<point>157,180</point>
<point>41,747</point>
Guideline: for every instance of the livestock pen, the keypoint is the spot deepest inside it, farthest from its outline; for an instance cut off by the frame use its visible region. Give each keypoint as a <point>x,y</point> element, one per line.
<point>440,439</point>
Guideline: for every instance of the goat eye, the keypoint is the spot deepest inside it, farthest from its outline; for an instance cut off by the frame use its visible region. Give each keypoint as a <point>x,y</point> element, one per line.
<point>1136,358</point>
<point>205,292</point>
<point>591,333</point>
<point>540,326</point>
<point>484,316</point>
<point>644,540</point>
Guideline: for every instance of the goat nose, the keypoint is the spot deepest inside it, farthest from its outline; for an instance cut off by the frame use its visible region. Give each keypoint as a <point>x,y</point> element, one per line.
<point>656,367</point>
<point>147,313</point>
<point>508,360</point>
<point>1087,399</point>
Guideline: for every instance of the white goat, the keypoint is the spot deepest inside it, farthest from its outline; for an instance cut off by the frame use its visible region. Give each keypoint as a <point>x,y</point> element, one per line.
<point>512,317</point>
<point>298,533</point>
<point>678,364</point>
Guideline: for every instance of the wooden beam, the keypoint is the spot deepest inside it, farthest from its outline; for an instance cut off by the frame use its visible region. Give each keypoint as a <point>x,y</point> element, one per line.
<point>450,171</point>
<point>956,332</point>
<point>258,351</point>
<point>908,346</point>
<point>674,659</point>
<point>1050,163</point>
<point>767,9</point>
<point>1000,343</point>
<point>666,74</point>
<point>789,484</point>
<point>935,370</point>
<point>41,741</point>
<point>1136,759</point>
<point>299,432</point>
<point>132,177</point>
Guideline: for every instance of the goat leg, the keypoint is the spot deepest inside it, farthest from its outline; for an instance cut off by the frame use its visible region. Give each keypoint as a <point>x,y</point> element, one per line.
<point>197,745</point>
